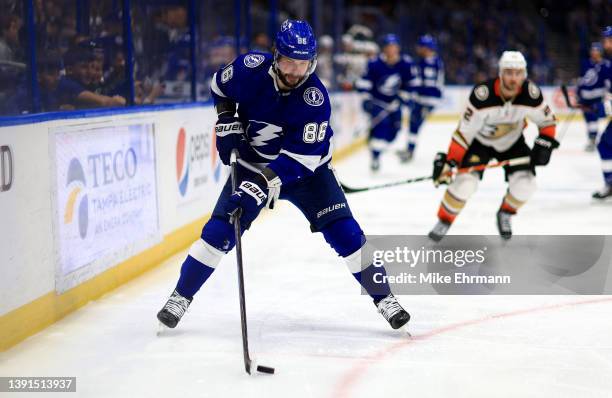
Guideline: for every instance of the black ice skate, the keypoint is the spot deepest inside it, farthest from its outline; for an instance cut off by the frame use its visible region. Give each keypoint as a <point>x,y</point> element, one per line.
<point>604,193</point>
<point>503,224</point>
<point>439,231</point>
<point>393,311</point>
<point>174,309</point>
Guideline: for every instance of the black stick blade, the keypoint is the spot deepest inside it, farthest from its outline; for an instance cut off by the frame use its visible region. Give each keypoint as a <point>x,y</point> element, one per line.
<point>348,190</point>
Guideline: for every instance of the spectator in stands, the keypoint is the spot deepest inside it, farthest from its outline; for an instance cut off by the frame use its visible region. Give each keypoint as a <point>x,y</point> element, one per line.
<point>261,43</point>
<point>49,68</point>
<point>114,77</point>
<point>10,50</point>
<point>96,74</point>
<point>325,64</point>
<point>147,92</point>
<point>351,62</point>
<point>72,89</point>
<point>222,52</point>
<point>48,73</point>
<point>12,67</point>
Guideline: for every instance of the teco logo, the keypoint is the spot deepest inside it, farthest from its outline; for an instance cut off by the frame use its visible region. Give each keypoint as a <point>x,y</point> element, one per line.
<point>6,168</point>
<point>77,199</point>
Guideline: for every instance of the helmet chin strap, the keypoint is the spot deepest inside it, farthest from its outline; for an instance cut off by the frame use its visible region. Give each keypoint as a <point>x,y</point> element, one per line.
<point>279,75</point>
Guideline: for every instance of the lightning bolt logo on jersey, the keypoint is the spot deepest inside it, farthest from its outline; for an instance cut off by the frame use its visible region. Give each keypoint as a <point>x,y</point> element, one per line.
<point>390,85</point>
<point>264,138</point>
<point>384,82</point>
<point>281,126</point>
<point>593,85</point>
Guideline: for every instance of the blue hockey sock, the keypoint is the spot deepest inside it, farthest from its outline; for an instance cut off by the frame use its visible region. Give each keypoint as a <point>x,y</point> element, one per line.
<point>346,237</point>
<point>371,279</point>
<point>193,276</point>
<point>412,140</point>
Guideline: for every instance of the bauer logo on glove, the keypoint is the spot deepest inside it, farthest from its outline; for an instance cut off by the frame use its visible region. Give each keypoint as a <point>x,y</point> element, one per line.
<point>253,190</point>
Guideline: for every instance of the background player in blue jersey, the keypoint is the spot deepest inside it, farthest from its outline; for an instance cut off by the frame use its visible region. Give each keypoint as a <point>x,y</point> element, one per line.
<point>604,147</point>
<point>385,76</point>
<point>428,93</point>
<point>591,91</point>
<point>282,133</point>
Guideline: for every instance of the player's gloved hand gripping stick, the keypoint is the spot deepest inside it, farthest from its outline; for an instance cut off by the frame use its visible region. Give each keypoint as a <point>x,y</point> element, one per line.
<point>249,364</point>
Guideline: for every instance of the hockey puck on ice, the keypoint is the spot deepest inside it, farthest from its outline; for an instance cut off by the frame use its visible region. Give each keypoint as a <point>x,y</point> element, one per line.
<point>265,369</point>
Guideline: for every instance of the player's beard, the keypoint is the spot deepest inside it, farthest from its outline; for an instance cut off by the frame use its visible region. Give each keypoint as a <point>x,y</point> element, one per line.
<point>512,90</point>
<point>293,83</point>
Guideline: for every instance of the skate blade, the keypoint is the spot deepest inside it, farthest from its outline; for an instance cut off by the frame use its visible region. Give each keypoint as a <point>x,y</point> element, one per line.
<point>161,328</point>
<point>405,331</point>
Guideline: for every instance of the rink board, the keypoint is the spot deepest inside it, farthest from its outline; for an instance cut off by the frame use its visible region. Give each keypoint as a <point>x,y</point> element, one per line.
<point>97,199</point>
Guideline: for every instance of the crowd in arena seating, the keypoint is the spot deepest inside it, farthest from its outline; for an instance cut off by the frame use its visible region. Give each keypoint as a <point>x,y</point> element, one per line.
<point>77,70</point>
<point>82,64</point>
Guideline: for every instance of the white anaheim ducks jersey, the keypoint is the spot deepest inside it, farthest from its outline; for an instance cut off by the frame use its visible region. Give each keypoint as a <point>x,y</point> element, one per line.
<point>498,123</point>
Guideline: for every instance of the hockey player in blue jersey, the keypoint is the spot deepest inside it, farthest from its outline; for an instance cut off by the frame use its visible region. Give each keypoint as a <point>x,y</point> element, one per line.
<point>383,80</point>
<point>275,112</point>
<point>604,146</point>
<point>428,93</point>
<point>591,91</point>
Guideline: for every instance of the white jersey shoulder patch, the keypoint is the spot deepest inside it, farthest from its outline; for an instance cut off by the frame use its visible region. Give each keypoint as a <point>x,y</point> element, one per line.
<point>534,91</point>
<point>313,96</point>
<point>253,60</point>
<point>481,92</point>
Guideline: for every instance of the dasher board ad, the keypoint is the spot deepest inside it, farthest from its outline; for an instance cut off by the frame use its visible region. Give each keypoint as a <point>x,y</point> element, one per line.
<point>106,198</point>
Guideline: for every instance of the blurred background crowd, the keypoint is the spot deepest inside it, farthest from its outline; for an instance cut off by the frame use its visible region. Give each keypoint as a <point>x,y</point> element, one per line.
<point>110,53</point>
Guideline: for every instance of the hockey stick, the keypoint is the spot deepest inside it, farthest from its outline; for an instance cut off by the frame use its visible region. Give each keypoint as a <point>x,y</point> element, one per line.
<point>249,364</point>
<point>574,111</point>
<point>379,118</point>
<point>480,167</point>
<point>566,97</point>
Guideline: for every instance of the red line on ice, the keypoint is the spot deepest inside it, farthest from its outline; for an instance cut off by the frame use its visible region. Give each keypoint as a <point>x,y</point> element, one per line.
<point>350,378</point>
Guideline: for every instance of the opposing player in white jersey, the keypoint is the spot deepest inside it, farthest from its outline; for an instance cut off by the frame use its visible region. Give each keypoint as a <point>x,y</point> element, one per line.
<point>492,127</point>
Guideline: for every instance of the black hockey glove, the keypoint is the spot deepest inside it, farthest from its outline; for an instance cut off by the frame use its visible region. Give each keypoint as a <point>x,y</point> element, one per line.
<point>368,105</point>
<point>542,148</point>
<point>230,136</point>
<point>442,170</point>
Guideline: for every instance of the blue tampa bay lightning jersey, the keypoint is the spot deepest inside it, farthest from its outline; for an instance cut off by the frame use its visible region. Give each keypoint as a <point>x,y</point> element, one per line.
<point>384,82</point>
<point>288,132</point>
<point>430,80</point>
<point>594,82</point>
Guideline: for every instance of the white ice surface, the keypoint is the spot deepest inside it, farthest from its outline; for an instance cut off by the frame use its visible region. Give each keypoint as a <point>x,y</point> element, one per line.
<point>308,320</point>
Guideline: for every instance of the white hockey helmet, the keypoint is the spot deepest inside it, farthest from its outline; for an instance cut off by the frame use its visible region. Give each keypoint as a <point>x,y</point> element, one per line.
<point>512,60</point>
